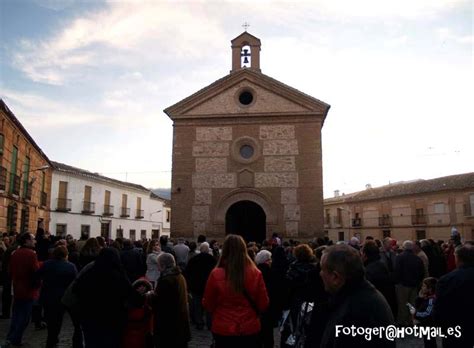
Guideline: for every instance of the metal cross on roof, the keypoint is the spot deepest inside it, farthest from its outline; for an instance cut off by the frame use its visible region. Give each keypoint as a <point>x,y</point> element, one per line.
<point>245,25</point>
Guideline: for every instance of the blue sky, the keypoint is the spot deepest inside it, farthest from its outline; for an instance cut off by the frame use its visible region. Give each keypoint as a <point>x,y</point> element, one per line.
<point>89,79</point>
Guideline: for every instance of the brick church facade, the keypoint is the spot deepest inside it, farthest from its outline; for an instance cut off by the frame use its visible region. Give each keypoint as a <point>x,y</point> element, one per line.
<point>247,156</point>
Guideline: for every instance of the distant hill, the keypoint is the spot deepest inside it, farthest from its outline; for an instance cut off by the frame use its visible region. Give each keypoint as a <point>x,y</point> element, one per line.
<point>163,192</point>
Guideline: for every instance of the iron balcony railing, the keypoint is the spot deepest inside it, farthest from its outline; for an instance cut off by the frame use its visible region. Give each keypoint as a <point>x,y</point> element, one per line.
<point>139,214</point>
<point>63,204</point>
<point>124,212</point>
<point>418,220</point>
<point>108,210</point>
<point>357,222</point>
<point>385,221</point>
<point>88,207</point>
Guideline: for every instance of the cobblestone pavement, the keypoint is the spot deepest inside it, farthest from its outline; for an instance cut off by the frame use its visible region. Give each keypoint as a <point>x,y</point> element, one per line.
<point>200,339</point>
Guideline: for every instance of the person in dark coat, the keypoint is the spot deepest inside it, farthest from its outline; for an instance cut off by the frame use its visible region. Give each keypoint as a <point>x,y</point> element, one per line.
<point>7,282</point>
<point>132,260</point>
<point>43,244</point>
<point>455,300</point>
<point>103,292</point>
<point>170,306</point>
<point>165,247</point>
<point>197,272</point>
<point>353,300</point>
<point>301,280</point>
<point>279,268</point>
<point>409,273</point>
<point>264,260</point>
<point>56,274</point>
<point>89,252</point>
<point>377,273</point>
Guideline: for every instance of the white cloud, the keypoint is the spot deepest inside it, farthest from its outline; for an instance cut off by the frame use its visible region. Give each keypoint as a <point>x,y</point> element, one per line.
<point>446,34</point>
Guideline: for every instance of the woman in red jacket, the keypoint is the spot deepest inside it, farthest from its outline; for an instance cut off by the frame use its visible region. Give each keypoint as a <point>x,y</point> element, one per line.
<point>235,295</point>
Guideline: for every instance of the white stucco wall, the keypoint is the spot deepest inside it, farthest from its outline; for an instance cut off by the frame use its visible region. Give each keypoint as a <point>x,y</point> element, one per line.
<point>154,212</point>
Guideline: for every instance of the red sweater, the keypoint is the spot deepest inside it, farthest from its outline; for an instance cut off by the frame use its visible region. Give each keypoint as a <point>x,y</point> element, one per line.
<point>22,267</point>
<point>232,314</point>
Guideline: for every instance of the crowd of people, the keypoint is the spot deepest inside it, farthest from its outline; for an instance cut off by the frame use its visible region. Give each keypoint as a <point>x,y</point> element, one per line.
<point>149,293</point>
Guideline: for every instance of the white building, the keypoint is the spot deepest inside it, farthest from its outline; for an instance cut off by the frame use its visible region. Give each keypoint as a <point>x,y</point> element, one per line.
<point>86,203</point>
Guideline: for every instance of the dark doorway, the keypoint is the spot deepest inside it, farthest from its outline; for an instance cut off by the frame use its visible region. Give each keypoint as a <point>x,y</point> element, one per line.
<point>247,219</point>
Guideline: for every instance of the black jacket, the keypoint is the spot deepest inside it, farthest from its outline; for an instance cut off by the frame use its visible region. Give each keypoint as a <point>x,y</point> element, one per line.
<point>197,271</point>
<point>361,305</point>
<point>132,260</point>
<point>409,269</point>
<point>454,305</point>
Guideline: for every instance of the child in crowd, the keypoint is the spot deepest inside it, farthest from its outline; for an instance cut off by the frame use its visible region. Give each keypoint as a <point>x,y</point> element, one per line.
<point>139,327</point>
<point>424,307</point>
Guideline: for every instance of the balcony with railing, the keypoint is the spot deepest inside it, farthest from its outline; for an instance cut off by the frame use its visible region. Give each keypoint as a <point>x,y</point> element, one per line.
<point>108,210</point>
<point>15,188</point>
<point>44,199</point>
<point>357,222</point>
<point>385,220</point>
<point>139,214</point>
<point>124,212</point>
<point>63,204</point>
<point>3,178</point>
<point>88,207</point>
<point>418,220</point>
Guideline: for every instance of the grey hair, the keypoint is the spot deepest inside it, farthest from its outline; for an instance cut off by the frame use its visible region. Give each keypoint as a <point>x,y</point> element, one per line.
<point>425,243</point>
<point>263,256</point>
<point>166,261</point>
<point>204,247</point>
<point>408,245</point>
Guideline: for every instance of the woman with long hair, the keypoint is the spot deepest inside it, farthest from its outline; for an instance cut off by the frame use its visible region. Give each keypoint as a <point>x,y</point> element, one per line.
<point>235,295</point>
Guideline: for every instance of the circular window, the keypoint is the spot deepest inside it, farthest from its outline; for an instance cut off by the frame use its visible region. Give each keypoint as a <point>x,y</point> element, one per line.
<point>245,98</point>
<point>246,151</point>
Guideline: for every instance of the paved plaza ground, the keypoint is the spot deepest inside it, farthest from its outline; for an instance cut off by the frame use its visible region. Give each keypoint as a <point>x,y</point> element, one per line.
<point>200,339</point>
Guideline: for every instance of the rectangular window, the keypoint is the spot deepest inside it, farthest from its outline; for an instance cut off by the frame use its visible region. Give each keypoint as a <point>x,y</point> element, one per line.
<point>26,176</point>
<point>43,181</point>
<point>61,230</point>
<point>341,236</point>
<point>439,208</point>
<point>124,201</point>
<point>13,169</point>
<point>105,230</point>
<point>420,234</point>
<point>107,198</point>
<point>386,233</point>
<point>1,144</point>
<point>419,212</point>
<point>143,234</point>
<point>155,234</point>
<point>132,235</point>
<point>139,203</point>
<point>85,231</point>
<point>471,202</point>
<point>87,193</point>
<point>119,233</point>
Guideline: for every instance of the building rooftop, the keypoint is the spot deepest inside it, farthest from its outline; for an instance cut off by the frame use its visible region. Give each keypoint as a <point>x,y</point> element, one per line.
<point>16,122</point>
<point>446,183</point>
<point>61,167</point>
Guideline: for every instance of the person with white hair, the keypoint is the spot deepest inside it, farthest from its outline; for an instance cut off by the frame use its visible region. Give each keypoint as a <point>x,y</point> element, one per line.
<point>263,259</point>
<point>170,306</point>
<point>197,272</point>
<point>409,273</point>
